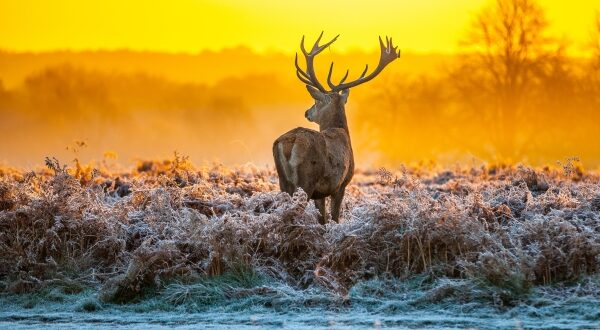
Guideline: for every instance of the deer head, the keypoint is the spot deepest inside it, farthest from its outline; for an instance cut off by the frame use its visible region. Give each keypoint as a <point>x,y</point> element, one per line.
<point>328,103</point>
<point>322,163</point>
<point>325,104</point>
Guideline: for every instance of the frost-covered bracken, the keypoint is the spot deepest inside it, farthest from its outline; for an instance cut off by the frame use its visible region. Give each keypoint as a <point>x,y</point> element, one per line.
<point>168,222</point>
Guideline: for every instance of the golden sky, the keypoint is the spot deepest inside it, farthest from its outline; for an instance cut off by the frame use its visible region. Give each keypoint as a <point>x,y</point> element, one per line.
<point>195,25</point>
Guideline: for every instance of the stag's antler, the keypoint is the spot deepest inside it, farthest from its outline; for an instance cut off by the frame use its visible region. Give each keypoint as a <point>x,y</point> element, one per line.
<point>388,54</point>
<point>309,77</point>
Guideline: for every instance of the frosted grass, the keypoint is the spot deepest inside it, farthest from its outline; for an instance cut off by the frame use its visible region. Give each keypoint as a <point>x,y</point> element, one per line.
<point>169,244</point>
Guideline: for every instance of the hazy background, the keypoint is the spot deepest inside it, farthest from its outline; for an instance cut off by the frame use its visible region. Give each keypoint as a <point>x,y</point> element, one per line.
<point>515,80</point>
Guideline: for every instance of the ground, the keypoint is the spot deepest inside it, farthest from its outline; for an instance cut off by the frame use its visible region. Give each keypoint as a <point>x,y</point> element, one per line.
<point>424,246</point>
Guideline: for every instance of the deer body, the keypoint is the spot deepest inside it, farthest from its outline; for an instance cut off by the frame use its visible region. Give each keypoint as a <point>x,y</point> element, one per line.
<point>322,162</point>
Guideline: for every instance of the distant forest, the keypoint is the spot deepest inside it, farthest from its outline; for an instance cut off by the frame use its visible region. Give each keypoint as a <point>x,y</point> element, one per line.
<point>514,93</point>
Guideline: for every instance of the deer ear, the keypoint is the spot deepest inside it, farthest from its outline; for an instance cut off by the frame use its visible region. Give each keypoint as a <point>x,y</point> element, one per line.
<point>315,93</point>
<point>344,95</point>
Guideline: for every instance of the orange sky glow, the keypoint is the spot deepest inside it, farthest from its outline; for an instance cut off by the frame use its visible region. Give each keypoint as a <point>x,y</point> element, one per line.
<point>195,25</point>
<point>215,80</point>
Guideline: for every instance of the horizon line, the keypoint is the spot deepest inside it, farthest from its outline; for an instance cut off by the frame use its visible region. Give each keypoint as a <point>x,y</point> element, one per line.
<point>351,50</point>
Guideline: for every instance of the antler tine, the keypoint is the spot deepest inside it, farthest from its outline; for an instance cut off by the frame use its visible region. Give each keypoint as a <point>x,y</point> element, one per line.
<point>298,70</point>
<point>316,45</point>
<point>345,76</point>
<point>388,54</point>
<point>320,48</point>
<point>304,80</point>
<point>302,46</point>
<point>309,76</point>
<point>331,85</point>
<point>392,46</point>
<point>316,49</point>
<point>364,71</point>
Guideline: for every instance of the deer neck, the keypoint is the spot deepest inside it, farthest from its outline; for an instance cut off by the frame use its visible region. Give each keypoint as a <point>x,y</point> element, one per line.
<point>337,119</point>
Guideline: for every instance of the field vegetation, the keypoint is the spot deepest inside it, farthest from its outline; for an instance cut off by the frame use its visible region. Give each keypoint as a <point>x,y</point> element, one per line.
<point>452,220</point>
<point>514,93</point>
<point>214,234</point>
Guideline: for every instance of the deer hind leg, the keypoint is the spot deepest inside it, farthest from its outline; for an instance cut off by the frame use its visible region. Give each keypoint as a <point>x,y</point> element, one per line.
<point>283,169</point>
<point>336,203</point>
<point>320,204</point>
<point>284,184</point>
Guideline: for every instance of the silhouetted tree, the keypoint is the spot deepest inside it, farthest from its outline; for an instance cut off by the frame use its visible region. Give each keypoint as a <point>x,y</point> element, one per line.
<point>592,85</point>
<point>3,92</point>
<point>596,39</point>
<point>65,92</point>
<point>401,114</point>
<point>507,52</point>
<point>3,98</point>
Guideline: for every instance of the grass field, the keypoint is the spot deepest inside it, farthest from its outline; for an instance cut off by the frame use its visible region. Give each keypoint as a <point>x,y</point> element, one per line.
<point>171,236</point>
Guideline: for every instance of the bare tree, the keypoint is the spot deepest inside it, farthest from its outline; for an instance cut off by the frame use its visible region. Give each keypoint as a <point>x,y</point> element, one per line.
<point>592,85</point>
<point>506,53</point>
<point>596,42</point>
<point>596,39</point>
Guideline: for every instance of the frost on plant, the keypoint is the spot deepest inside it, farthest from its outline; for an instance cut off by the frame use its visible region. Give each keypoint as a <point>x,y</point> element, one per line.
<point>168,224</point>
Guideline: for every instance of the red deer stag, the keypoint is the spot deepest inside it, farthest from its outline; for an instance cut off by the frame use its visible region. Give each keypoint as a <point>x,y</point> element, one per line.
<point>322,163</point>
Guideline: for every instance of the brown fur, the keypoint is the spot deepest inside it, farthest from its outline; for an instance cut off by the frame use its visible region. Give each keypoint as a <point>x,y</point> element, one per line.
<point>321,163</point>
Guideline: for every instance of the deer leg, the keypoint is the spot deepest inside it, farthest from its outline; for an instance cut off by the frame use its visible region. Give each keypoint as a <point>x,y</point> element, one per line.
<point>284,184</point>
<point>336,203</point>
<point>320,204</point>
